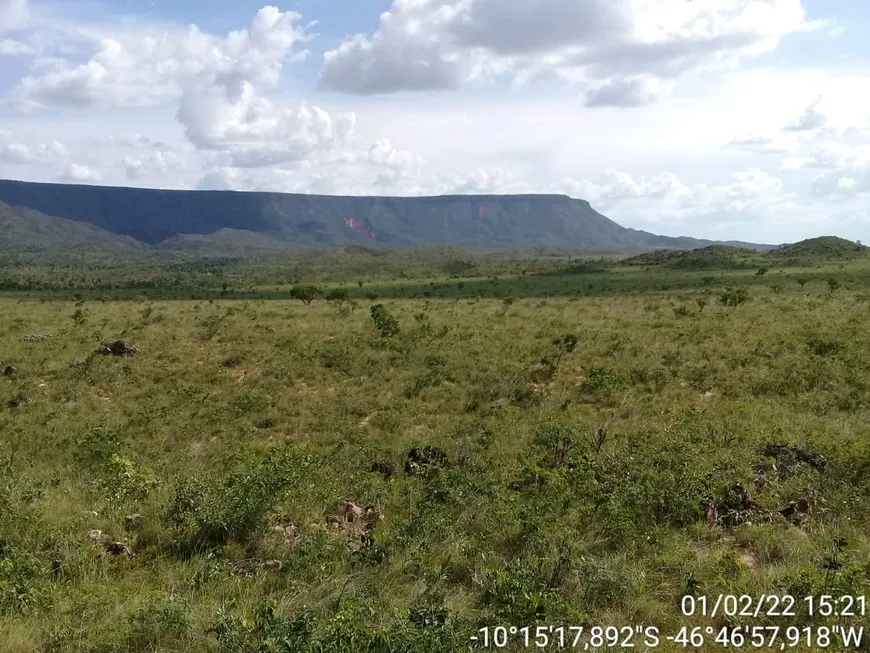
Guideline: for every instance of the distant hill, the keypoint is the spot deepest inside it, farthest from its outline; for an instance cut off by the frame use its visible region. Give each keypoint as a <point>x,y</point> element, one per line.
<point>224,241</point>
<point>825,248</point>
<point>172,219</point>
<point>713,257</point>
<point>26,230</point>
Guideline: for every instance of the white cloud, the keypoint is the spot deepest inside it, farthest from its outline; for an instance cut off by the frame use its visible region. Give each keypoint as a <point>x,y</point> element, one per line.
<point>624,92</point>
<point>19,153</point>
<point>810,120</point>
<point>150,68</point>
<point>13,14</point>
<point>255,131</point>
<point>75,172</point>
<point>151,165</point>
<point>446,44</point>
<point>215,83</point>
<point>13,48</point>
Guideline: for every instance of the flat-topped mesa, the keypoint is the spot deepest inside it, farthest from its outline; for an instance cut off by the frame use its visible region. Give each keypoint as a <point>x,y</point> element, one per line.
<point>488,221</point>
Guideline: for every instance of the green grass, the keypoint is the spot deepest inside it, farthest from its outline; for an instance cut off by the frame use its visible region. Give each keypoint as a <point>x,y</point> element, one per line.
<point>586,473</point>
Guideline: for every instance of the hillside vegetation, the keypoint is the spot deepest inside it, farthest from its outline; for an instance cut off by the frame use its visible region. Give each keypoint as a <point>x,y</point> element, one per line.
<point>25,230</point>
<point>712,257</point>
<point>826,248</point>
<point>301,458</point>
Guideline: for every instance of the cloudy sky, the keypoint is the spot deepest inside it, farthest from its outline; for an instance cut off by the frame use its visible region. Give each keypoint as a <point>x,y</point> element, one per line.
<point>743,119</point>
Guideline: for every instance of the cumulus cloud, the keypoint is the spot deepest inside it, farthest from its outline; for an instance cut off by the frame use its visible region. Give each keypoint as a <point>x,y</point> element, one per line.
<point>446,44</point>
<point>146,68</point>
<point>155,164</point>
<point>78,173</point>
<point>255,131</point>
<point>215,84</point>
<point>810,120</point>
<point>19,153</point>
<point>623,92</point>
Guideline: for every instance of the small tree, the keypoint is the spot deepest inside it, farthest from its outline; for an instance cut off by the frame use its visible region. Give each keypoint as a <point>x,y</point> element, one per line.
<point>833,285</point>
<point>761,272</point>
<point>385,322</point>
<point>702,303</point>
<point>556,439</point>
<point>338,296</point>
<point>802,281</point>
<point>305,294</point>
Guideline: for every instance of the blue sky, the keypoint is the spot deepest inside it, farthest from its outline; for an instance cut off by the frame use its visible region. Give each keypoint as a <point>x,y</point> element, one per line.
<point>745,119</point>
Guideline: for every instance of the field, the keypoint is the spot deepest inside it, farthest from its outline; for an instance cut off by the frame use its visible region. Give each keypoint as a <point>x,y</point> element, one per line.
<point>588,423</point>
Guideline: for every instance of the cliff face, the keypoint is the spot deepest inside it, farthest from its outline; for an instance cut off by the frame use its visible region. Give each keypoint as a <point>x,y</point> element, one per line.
<point>474,221</point>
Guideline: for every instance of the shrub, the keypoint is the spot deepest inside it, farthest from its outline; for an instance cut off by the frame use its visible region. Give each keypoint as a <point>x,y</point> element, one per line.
<point>823,347</point>
<point>338,296</point>
<point>155,622</point>
<point>733,296</point>
<point>207,515</point>
<point>19,574</point>
<point>516,594</point>
<point>556,439</point>
<point>124,480</point>
<point>600,380</point>
<point>385,322</point>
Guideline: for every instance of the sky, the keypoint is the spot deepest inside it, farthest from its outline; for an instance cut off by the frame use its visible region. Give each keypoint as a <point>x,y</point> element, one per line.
<point>722,119</point>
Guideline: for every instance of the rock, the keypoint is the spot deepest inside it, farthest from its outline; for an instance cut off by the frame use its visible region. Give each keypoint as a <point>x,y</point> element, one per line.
<point>761,471</point>
<point>422,460</point>
<point>289,532</point>
<point>118,548</point>
<point>383,467</point>
<point>712,512</point>
<point>737,508</point>
<point>17,401</point>
<point>132,522</point>
<point>371,516</point>
<point>796,511</point>
<point>352,520</point>
<point>349,511</point>
<point>98,536</point>
<point>118,348</point>
<point>742,500</point>
<point>9,371</point>
<point>36,337</point>
<point>787,458</point>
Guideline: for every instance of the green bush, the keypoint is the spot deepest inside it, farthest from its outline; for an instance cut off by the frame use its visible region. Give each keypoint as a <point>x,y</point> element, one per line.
<point>733,296</point>
<point>209,514</point>
<point>385,323</point>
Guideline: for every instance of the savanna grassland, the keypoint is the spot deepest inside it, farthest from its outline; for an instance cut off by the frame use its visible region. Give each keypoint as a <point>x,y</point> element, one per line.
<point>588,423</point>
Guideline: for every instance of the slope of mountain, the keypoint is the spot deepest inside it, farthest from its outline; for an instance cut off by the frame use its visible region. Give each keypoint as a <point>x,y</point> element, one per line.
<point>473,221</point>
<point>712,257</point>
<point>824,248</point>
<point>224,241</point>
<point>26,230</point>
